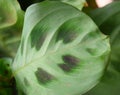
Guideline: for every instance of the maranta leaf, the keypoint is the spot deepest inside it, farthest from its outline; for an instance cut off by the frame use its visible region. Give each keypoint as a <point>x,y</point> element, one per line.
<point>62,51</point>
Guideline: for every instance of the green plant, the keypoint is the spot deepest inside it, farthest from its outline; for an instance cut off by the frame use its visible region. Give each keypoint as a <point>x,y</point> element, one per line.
<point>61,51</point>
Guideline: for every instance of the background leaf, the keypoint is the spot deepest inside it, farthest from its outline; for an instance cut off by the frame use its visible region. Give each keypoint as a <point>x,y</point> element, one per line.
<point>11,24</point>
<point>7,8</point>
<point>61,52</point>
<point>107,19</point>
<point>5,77</point>
<point>77,3</point>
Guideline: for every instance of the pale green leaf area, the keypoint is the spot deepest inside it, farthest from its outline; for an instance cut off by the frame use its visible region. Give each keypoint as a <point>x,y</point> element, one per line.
<point>76,3</point>
<point>62,51</point>
<point>11,23</point>
<point>108,19</point>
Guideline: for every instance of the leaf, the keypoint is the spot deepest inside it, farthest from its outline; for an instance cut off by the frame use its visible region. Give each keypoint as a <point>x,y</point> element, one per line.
<point>6,18</point>
<point>76,3</point>
<point>61,52</point>
<point>5,76</point>
<point>109,84</point>
<point>108,20</point>
<point>10,12</point>
<point>102,17</point>
<point>110,26</point>
<point>11,24</point>
<point>4,65</point>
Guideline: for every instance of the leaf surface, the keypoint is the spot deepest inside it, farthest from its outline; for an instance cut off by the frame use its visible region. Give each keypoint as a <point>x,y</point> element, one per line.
<point>76,3</point>
<point>107,19</point>
<point>62,51</point>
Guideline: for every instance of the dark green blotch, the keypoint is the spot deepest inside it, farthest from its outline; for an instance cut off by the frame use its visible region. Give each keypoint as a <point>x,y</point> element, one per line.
<point>70,62</point>
<point>65,67</point>
<point>26,82</point>
<point>38,36</point>
<point>22,45</point>
<point>40,41</point>
<point>43,77</point>
<point>66,35</point>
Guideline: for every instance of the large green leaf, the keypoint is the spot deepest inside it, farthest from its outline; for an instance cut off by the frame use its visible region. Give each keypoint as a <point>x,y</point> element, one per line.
<point>108,20</point>
<point>11,22</point>
<point>61,52</point>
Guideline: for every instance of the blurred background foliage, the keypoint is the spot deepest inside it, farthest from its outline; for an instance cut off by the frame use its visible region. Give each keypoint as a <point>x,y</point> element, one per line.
<point>11,24</point>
